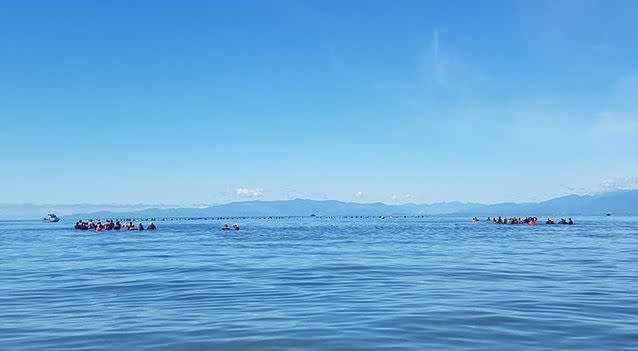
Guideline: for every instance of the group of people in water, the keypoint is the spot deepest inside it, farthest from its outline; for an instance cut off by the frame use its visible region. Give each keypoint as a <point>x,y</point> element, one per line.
<point>523,220</point>
<point>562,221</point>
<point>111,225</point>
<point>234,227</point>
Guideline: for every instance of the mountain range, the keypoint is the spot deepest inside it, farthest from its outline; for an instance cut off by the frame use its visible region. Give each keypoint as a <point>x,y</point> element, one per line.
<point>618,203</point>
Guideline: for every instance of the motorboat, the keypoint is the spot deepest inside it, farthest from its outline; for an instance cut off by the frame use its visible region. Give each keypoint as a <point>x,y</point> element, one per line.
<point>51,218</point>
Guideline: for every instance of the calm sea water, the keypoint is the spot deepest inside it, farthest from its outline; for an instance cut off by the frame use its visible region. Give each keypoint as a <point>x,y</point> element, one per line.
<point>321,284</point>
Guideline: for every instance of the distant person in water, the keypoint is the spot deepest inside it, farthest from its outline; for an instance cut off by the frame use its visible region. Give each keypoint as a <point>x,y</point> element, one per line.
<point>549,221</point>
<point>569,221</point>
<point>225,227</point>
<point>140,227</point>
<point>151,226</point>
<point>236,226</point>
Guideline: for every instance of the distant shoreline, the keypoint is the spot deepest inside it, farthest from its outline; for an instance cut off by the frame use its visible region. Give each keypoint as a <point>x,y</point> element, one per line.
<point>618,203</point>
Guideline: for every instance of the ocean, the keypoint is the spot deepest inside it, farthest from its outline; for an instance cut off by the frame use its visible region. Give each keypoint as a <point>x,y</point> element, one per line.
<point>321,284</point>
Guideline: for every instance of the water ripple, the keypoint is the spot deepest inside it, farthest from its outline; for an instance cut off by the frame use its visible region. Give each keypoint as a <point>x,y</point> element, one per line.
<point>321,284</point>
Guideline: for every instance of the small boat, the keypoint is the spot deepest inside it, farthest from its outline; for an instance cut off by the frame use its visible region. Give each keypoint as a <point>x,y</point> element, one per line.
<point>51,218</point>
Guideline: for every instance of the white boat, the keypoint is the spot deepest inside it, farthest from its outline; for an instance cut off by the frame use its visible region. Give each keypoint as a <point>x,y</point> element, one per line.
<point>51,218</point>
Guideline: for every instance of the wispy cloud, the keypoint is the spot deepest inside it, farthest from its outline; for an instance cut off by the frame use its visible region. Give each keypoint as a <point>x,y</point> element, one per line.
<point>450,69</point>
<point>622,183</point>
<point>438,60</point>
<point>247,192</point>
<point>396,197</point>
<point>291,194</point>
<point>359,195</point>
<point>571,190</point>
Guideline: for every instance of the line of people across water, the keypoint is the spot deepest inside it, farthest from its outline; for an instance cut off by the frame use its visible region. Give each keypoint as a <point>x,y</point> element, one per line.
<point>569,221</point>
<point>523,220</point>
<point>98,226</point>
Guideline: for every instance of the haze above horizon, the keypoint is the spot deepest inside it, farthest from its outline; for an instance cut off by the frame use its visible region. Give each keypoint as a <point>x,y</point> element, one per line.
<point>210,102</point>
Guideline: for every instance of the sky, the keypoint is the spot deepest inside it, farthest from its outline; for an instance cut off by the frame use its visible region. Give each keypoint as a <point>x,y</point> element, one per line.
<point>200,102</point>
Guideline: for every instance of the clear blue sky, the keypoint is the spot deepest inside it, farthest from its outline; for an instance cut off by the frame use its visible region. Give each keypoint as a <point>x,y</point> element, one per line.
<point>192,102</point>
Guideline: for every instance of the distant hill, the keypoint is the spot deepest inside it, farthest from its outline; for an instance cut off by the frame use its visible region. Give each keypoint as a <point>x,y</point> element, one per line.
<point>38,211</point>
<point>617,203</point>
<point>297,207</point>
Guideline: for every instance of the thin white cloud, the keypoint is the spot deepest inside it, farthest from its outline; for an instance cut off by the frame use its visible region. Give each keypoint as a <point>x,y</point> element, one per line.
<point>438,61</point>
<point>396,197</point>
<point>622,183</point>
<point>359,194</point>
<point>247,192</point>
<point>573,189</point>
<point>435,44</point>
<point>292,194</point>
<point>450,69</point>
